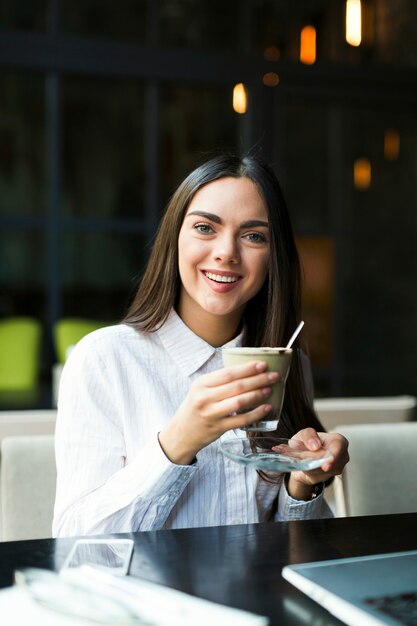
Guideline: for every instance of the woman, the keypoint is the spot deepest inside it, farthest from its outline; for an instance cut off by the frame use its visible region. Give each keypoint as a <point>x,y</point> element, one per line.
<point>143,405</point>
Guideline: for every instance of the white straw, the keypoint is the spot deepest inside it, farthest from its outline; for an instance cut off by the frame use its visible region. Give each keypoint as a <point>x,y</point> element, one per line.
<point>294,335</point>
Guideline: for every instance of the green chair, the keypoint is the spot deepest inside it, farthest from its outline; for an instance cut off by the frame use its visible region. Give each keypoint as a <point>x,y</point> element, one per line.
<point>20,343</point>
<point>69,330</point>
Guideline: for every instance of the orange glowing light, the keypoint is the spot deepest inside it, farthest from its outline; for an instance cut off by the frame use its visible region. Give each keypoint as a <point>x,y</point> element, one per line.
<point>362,175</point>
<point>270,79</point>
<point>353,22</point>
<point>308,45</point>
<point>391,145</point>
<point>240,100</point>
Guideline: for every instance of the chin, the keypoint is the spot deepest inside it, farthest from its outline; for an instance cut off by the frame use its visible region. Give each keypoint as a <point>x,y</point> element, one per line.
<point>223,311</point>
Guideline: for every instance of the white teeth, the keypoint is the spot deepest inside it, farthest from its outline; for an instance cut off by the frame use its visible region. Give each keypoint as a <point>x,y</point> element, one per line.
<point>221,279</point>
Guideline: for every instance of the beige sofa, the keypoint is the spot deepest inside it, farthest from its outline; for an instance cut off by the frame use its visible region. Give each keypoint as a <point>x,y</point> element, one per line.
<point>13,423</point>
<point>381,475</point>
<point>367,410</point>
<point>335,412</point>
<point>28,483</point>
<point>27,473</point>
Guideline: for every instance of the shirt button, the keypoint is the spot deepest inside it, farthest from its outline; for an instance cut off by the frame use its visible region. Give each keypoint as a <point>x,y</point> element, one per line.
<point>238,520</point>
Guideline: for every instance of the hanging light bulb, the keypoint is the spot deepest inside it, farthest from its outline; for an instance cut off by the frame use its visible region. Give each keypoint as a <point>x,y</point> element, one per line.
<point>308,45</point>
<point>239,98</point>
<point>353,22</point>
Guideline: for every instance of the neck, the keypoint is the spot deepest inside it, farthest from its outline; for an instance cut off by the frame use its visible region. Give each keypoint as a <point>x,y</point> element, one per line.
<point>215,330</point>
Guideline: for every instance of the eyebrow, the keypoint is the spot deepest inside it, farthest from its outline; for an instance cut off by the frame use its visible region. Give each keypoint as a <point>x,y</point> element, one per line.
<point>217,220</point>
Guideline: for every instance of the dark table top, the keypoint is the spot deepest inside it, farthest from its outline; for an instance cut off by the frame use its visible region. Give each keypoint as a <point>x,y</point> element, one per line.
<point>241,565</point>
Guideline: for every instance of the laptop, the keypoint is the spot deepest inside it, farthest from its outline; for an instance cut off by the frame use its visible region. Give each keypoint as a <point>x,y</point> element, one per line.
<point>362,591</point>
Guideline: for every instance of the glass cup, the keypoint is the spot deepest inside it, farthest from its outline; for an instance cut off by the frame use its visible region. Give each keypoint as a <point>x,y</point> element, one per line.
<point>278,360</point>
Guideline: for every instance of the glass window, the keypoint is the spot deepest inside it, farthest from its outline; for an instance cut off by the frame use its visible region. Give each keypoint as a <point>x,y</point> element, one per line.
<point>317,263</point>
<point>195,121</point>
<point>305,158</point>
<point>22,144</point>
<point>201,24</point>
<point>380,309</point>
<point>22,273</point>
<point>394,41</point>
<point>102,18</point>
<point>278,25</point>
<point>378,251</point>
<point>23,293</point>
<point>387,30</point>
<point>386,140</point>
<point>101,273</point>
<point>104,172</point>
<point>23,15</point>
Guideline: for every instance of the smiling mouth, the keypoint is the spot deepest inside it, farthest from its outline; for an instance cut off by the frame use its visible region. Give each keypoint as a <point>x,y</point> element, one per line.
<point>221,279</point>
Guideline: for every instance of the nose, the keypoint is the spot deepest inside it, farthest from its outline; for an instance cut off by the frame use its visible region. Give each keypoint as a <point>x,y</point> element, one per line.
<point>227,249</point>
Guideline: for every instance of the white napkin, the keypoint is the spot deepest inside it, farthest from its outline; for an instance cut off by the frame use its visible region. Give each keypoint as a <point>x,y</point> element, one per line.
<point>18,609</point>
<point>155,604</point>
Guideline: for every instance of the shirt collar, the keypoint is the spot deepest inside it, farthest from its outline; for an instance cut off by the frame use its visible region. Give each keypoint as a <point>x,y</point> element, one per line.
<point>187,349</point>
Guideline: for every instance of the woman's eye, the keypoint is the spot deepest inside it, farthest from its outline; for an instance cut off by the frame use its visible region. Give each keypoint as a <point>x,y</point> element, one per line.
<point>256,237</point>
<point>203,228</point>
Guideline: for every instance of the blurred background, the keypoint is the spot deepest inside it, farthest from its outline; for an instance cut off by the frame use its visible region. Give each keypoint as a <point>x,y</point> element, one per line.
<point>105,107</point>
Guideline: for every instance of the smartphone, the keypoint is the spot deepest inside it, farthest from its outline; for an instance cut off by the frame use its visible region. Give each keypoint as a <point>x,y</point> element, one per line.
<point>110,555</point>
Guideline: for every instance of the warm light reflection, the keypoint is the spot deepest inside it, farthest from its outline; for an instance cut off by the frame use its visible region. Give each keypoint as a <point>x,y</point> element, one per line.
<point>270,79</point>
<point>308,45</point>
<point>239,98</point>
<point>353,22</point>
<point>362,174</point>
<point>317,257</point>
<point>391,145</point>
<point>271,53</point>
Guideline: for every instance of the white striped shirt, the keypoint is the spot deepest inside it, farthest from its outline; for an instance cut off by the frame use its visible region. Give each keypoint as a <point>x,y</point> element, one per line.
<point>118,389</point>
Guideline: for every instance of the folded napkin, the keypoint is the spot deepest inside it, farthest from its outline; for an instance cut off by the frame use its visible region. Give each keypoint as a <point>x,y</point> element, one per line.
<point>66,599</point>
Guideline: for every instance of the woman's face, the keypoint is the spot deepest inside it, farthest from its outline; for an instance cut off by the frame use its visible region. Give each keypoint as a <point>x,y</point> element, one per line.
<point>223,252</point>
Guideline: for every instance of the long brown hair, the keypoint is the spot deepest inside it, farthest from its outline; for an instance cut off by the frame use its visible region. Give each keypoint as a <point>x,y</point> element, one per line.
<point>271,316</point>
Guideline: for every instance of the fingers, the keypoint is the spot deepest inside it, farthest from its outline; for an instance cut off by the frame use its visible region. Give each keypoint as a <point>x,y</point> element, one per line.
<point>241,421</point>
<point>310,438</point>
<point>261,383</point>
<point>225,399</point>
<point>236,381</point>
<point>243,403</point>
<point>233,390</point>
<point>336,444</point>
<point>228,375</point>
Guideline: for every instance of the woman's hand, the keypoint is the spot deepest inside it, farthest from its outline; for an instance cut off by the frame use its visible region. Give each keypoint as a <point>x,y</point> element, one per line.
<point>300,484</point>
<point>228,398</point>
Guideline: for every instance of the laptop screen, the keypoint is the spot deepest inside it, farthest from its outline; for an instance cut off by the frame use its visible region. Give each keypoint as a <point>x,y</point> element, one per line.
<point>377,589</point>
